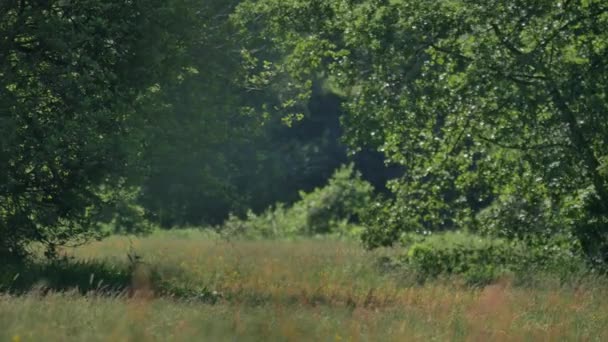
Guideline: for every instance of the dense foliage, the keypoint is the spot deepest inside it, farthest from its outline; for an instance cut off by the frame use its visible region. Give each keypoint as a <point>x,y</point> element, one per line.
<point>480,260</point>
<point>335,209</point>
<point>73,76</point>
<point>138,113</point>
<point>497,110</point>
<point>487,117</point>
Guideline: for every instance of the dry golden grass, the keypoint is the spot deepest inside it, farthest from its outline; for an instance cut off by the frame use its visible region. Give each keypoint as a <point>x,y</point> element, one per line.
<point>309,290</point>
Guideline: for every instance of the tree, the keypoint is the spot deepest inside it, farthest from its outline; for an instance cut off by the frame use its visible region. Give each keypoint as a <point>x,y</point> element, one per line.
<point>482,102</point>
<point>73,77</point>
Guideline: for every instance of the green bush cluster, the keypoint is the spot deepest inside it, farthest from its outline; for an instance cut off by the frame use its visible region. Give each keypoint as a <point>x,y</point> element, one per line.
<point>480,260</point>
<point>333,209</point>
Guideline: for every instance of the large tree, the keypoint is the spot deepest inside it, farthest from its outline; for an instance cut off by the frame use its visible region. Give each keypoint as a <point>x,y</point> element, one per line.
<point>497,109</point>
<point>73,77</point>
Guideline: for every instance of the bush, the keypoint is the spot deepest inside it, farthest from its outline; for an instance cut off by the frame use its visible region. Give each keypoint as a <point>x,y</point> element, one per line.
<point>481,260</point>
<point>273,223</point>
<point>333,209</point>
<point>341,202</point>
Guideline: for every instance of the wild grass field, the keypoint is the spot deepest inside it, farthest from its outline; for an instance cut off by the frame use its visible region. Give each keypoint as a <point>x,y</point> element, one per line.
<point>190,287</point>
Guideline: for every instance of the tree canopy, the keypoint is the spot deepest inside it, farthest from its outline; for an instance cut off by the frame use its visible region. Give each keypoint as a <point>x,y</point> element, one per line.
<point>497,110</point>
<point>73,77</point>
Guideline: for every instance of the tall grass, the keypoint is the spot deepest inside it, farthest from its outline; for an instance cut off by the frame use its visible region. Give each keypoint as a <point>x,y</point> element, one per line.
<point>289,291</point>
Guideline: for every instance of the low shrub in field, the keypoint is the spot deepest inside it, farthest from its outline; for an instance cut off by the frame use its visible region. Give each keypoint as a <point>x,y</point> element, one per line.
<point>333,209</point>
<point>274,222</point>
<point>481,260</point>
<point>340,202</point>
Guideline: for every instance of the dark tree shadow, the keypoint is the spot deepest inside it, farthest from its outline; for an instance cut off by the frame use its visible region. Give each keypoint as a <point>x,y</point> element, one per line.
<point>95,277</point>
<point>64,275</point>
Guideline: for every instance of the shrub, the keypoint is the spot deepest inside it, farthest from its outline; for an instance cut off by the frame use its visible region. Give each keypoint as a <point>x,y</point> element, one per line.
<point>333,209</point>
<point>274,222</point>
<point>340,202</point>
<point>481,260</point>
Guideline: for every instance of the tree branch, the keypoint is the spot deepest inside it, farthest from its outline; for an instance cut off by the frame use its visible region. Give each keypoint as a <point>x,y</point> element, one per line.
<point>521,147</point>
<point>505,42</point>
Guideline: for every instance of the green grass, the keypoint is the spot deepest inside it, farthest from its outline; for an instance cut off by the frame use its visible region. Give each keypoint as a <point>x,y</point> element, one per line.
<point>189,286</point>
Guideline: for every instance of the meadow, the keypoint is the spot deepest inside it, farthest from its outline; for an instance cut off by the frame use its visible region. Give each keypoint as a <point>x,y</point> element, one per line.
<point>188,286</point>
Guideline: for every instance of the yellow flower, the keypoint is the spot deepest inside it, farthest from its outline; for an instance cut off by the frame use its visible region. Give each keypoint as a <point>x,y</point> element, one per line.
<point>16,338</point>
